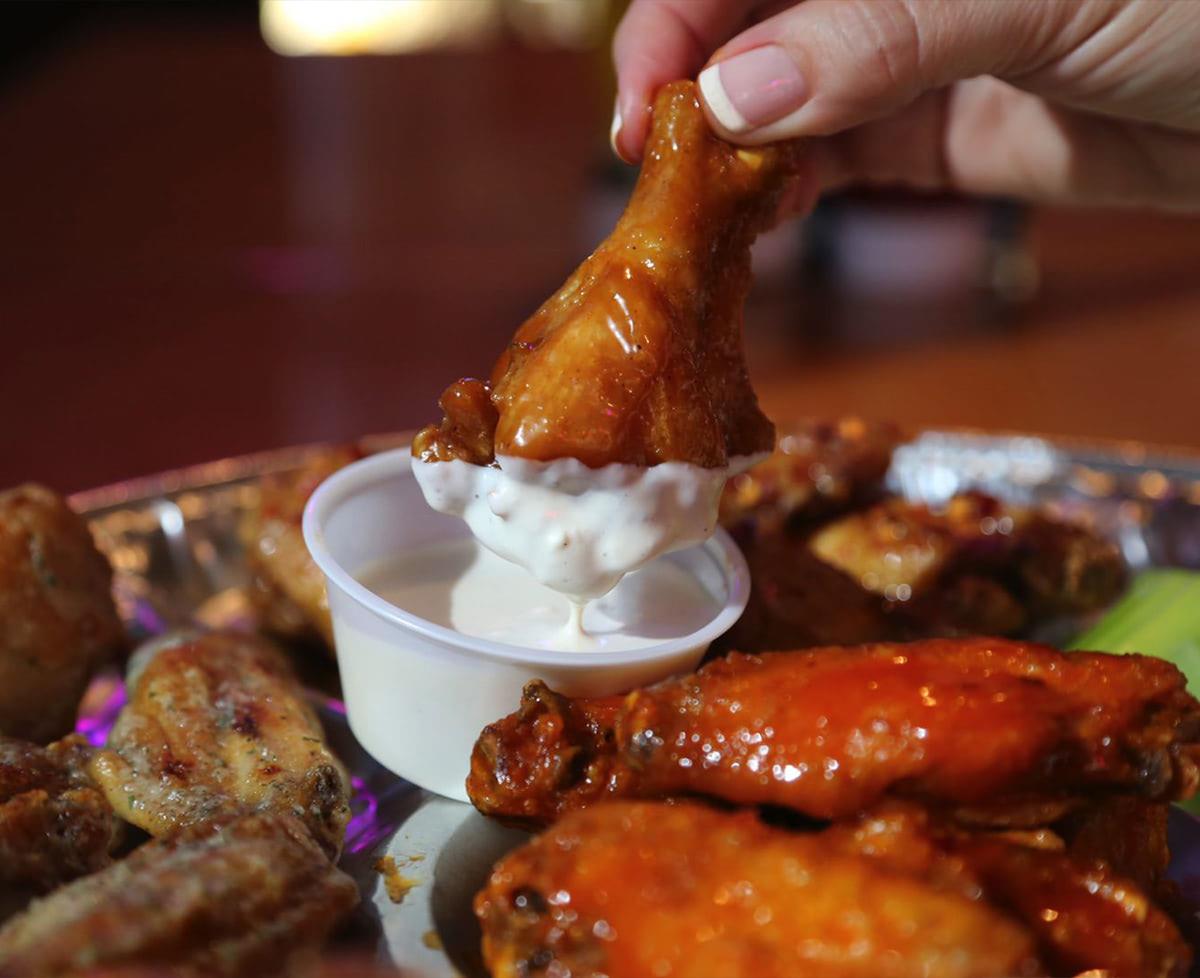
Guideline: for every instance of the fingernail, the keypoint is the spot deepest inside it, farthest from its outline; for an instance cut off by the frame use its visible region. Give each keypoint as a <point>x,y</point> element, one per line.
<point>753,89</point>
<point>615,129</point>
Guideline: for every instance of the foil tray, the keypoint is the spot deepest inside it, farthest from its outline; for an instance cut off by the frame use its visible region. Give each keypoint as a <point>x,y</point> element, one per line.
<point>175,546</point>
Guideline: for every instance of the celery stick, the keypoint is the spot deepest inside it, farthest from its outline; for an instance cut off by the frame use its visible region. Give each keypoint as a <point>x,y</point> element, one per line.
<point>1159,616</point>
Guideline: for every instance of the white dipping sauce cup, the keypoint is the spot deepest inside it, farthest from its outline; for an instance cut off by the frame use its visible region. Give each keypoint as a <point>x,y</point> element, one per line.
<point>419,694</point>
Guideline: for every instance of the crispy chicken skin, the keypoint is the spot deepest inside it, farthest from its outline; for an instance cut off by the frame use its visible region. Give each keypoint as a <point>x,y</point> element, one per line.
<point>58,623</point>
<point>1001,732</point>
<point>216,724</point>
<point>629,889</point>
<point>288,588</point>
<point>638,358</point>
<point>901,570</point>
<point>222,899</point>
<point>55,824</point>
<point>819,470</point>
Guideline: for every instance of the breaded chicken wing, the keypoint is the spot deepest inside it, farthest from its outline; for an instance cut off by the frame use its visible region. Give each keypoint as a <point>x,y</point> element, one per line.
<point>55,824</point>
<point>217,724</point>
<point>227,898</point>
<point>999,731</point>
<point>58,623</point>
<point>627,890</point>
<point>638,358</point>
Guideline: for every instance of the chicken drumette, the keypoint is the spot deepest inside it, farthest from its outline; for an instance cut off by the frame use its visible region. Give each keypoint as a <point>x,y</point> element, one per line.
<point>638,358</point>
<point>218,724</point>
<point>1000,732</point>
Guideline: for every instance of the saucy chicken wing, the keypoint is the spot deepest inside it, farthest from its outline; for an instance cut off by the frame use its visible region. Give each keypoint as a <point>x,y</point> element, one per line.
<point>227,898</point>
<point>680,891</point>
<point>55,824</point>
<point>999,731</point>
<point>58,623</point>
<point>638,358</point>
<point>288,588</point>
<point>216,724</point>
<point>637,888</point>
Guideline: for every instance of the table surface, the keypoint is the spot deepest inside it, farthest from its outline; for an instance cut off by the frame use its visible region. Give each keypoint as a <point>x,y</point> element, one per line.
<point>211,250</point>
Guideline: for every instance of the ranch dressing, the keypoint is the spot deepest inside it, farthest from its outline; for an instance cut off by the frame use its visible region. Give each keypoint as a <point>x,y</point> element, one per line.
<point>579,530</point>
<point>464,586</point>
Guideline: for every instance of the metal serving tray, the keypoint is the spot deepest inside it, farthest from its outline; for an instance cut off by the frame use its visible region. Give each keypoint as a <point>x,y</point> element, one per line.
<point>174,542</point>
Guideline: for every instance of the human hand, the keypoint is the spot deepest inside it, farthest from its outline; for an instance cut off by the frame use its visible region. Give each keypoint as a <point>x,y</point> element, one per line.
<point>1082,101</point>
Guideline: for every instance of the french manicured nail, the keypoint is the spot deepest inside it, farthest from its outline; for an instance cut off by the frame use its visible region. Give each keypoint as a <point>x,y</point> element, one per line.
<point>753,89</point>
<point>615,129</point>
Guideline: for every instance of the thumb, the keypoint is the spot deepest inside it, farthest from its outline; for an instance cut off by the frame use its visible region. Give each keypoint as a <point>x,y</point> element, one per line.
<point>826,65</point>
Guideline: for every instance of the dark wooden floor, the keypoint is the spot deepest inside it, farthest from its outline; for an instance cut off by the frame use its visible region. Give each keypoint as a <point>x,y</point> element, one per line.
<point>209,250</point>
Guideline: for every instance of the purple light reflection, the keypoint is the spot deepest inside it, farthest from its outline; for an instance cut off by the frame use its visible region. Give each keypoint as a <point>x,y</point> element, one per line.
<point>99,709</point>
<point>364,829</point>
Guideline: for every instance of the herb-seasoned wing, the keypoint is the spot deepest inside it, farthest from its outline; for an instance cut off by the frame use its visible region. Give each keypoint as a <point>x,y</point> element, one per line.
<point>217,724</point>
<point>230,898</point>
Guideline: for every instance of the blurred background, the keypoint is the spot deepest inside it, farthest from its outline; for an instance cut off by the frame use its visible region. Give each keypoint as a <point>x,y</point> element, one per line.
<point>235,226</point>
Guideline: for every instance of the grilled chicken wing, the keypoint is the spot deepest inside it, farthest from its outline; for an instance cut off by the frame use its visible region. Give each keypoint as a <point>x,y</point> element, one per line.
<point>222,899</point>
<point>288,589</point>
<point>900,570</point>
<point>216,724</point>
<point>633,889</point>
<point>638,358</point>
<point>1000,731</point>
<point>58,623</point>
<point>819,470</point>
<point>55,824</point>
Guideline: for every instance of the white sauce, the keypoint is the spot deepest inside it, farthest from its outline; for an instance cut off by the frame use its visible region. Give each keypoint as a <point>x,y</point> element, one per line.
<point>575,529</point>
<point>463,586</point>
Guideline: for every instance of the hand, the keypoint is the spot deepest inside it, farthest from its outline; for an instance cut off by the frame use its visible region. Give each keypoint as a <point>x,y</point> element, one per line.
<point>1081,101</point>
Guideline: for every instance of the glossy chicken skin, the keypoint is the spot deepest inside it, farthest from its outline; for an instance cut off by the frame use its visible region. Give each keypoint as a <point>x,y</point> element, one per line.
<point>55,824</point>
<point>223,899</point>
<point>681,891</point>
<point>1002,732</point>
<point>58,623</point>
<point>638,358</point>
<point>218,724</point>
<point>637,888</point>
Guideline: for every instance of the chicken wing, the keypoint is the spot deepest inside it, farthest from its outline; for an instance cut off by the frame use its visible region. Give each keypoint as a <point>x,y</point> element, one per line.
<point>218,724</point>
<point>638,358</point>
<point>288,588</point>
<point>900,570</point>
<point>222,899</point>
<point>55,824</point>
<point>820,469</point>
<point>58,623</point>
<point>634,889</point>
<point>922,559</point>
<point>1001,732</point>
